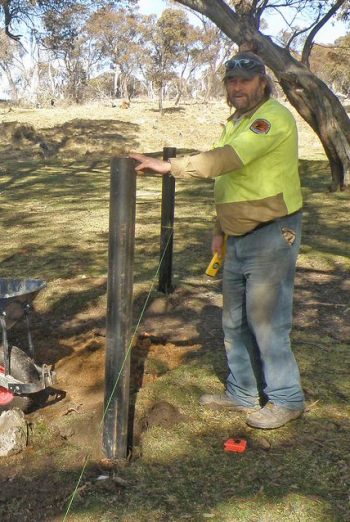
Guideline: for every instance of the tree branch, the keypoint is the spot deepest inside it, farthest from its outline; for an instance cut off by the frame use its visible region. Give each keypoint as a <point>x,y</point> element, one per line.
<point>305,56</point>
<point>8,19</point>
<point>298,33</point>
<point>212,9</point>
<point>259,10</point>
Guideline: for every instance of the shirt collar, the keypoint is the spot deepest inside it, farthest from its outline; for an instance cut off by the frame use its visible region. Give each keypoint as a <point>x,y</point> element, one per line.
<point>238,115</point>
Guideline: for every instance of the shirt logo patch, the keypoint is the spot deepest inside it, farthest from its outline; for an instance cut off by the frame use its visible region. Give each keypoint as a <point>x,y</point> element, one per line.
<point>260,126</point>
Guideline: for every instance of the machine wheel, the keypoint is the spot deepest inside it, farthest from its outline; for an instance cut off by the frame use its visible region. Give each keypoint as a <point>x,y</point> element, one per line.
<point>23,369</point>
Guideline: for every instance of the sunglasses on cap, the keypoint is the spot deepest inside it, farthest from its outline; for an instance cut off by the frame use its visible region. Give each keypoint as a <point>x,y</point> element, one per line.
<point>247,64</point>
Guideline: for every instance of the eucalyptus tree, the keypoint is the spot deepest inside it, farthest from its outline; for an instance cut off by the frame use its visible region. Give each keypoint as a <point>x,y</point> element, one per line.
<point>216,49</point>
<point>64,40</point>
<point>118,37</point>
<point>332,64</point>
<point>59,26</point>
<point>242,22</point>
<point>15,11</point>
<point>8,51</point>
<point>168,40</point>
<point>189,62</point>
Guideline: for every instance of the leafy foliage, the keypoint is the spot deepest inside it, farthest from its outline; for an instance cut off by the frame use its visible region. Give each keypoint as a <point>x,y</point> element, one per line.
<point>28,11</point>
<point>118,38</point>
<point>332,64</point>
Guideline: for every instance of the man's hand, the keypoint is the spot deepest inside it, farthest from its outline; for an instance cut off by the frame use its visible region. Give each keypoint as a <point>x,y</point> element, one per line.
<point>148,163</point>
<point>217,244</point>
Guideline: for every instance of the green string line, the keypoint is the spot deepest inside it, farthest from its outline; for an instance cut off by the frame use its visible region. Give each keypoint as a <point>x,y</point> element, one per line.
<point>87,458</point>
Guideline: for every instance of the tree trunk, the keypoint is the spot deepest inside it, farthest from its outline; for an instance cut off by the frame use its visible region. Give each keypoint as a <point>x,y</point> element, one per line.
<point>161,98</point>
<point>181,82</point>
<point>12,84</point>
<point>180,90</point>
<point>124,86</point>
<point>53,93</point>
<point>116,82</point>
<point>34,85</point>
<point>178,96</point>
<point>325,114</point>
<point>208,86</point>
<point>314,101</point>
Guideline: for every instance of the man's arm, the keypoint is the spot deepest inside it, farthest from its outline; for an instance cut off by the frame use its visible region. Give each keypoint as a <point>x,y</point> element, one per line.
<point>209,164</point>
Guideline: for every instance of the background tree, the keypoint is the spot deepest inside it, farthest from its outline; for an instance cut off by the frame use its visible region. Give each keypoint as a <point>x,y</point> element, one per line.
<point>119,39</point>
<point>50,81</point>
<point>15,12</point>
<point>217,48</point>
<point>189,61</point>
<point>28,11</point>
<point>212,49</point>
<point>315,102</point>
<point>168,42</point>
<point>8,50</point>
<point>332,64</point>
<point>65,40</point>
<point>59,27</point>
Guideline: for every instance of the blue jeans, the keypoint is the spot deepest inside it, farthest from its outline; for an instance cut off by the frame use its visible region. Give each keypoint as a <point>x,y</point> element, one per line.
<point>258,287</point>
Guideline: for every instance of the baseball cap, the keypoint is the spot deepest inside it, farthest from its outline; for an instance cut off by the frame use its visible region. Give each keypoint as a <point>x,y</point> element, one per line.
<point>244,65</point>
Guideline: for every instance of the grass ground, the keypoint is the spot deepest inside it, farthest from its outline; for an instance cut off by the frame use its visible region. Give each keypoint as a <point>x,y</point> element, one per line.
<point>54,226</point>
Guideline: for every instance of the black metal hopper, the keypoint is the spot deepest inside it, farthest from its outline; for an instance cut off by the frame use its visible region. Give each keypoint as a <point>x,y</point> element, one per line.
<point>15,295</point>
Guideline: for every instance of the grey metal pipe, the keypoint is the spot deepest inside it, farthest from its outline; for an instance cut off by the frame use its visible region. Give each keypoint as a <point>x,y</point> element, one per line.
<point>119,305</point>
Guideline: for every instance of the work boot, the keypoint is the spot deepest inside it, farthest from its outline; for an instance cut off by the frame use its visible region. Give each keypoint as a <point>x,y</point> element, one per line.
<point>272,416</point>
<point>221,401</point>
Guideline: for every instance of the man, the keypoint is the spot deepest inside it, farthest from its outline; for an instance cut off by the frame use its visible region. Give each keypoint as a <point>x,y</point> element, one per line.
<point>258,202</point>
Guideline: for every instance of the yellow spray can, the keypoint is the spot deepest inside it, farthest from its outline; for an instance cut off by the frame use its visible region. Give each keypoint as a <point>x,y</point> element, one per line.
<point>216,262</point>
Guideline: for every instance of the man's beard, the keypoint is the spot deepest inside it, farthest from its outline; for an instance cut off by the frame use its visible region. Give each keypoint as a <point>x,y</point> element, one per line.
<point>246,102</point>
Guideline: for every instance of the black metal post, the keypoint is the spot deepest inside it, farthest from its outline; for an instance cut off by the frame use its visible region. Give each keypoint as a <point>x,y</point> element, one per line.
<point>167,227</point>
<point>119,305</point>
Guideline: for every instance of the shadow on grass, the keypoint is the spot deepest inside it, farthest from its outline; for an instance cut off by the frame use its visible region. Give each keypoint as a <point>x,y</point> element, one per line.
<point>302,477</point>
<point>72,136</point>
<point>319,341</point>
<point>168,110</point>
<point>68,316</point>
<point>50,256</point>
<point>54,205</point>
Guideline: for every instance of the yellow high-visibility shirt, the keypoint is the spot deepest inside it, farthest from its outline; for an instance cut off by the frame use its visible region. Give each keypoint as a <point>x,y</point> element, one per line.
<point>267,185</point>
